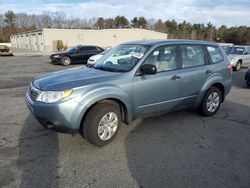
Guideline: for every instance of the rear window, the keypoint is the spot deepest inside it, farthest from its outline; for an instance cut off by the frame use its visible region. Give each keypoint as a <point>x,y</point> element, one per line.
<point>192,55</point>
<point>215,54</point>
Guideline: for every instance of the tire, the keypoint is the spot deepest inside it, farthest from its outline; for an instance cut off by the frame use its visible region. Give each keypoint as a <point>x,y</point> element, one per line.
<point>248,84</point>
<point>92,129</point>
<point>211,94</point>
<point>66,61</point>
<point>238,66</point>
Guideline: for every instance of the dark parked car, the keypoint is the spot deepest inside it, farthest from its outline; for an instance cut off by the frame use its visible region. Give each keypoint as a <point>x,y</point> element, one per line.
<point>77,54</point>
<point>247,77</point>
<point>5,51</point>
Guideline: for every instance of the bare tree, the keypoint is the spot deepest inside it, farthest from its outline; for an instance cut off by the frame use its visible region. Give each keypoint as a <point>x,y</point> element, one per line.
<point>58,19</point>
<point>2,20</point>
<point>46,20</point>
<point>100,23</point>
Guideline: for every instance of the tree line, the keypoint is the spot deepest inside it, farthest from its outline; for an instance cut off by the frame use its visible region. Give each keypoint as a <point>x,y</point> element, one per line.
<point>11,23</point>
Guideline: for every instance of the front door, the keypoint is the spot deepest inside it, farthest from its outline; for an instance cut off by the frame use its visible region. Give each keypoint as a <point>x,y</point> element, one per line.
<point>158,92</point>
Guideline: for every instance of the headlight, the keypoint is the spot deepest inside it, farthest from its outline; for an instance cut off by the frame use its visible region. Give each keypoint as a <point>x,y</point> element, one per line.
<point>56,56</point>
<point>53,96</point>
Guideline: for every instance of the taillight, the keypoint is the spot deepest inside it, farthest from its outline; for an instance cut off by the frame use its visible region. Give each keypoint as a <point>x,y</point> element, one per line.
<point>230,68</point>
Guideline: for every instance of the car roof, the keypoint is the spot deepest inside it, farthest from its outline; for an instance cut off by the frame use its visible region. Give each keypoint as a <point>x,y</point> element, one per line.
<point>78,46</point>
<point>170,41</point>
<point>243,46</point>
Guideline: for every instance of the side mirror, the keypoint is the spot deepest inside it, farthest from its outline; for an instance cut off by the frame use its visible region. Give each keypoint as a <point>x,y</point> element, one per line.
<point>148,69</point>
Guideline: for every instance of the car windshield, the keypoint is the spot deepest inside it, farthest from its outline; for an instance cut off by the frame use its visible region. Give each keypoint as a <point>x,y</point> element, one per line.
<point>105,51</point>
<point>121,58</point>
<point>235,50</point>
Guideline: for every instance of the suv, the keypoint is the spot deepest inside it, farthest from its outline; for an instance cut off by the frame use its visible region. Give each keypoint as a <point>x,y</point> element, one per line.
<point>155,77</point>
<point>239,56</point>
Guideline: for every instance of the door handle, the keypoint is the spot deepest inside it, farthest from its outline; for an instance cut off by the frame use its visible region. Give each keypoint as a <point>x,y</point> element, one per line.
<point>209,72</point>
<point>175,77</point>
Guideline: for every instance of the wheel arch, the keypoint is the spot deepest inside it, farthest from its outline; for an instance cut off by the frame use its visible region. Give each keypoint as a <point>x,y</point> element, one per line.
<point>109,100</point>
<point>216,81</point>
<point>221,88</point>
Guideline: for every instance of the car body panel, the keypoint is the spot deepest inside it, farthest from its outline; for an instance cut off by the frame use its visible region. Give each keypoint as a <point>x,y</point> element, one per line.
<point>92,60</point>
<point>247,77</point>
<point>150,97</point>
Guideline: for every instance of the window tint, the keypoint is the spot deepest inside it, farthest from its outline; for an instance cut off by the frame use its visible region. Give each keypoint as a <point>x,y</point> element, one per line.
<point>164,58</point>
<point>192,55</point>
<point>215,54</point>
<point>87,48</point>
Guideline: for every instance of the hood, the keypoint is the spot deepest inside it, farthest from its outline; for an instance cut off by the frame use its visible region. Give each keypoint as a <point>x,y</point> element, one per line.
<point>95,57</point>
<point>72,78</point>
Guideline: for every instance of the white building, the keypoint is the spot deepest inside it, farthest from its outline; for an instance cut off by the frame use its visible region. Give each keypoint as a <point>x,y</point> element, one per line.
<point>45,40</point>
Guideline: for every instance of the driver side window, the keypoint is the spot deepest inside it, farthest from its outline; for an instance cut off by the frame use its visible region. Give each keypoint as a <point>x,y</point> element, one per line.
<point>164,58</point>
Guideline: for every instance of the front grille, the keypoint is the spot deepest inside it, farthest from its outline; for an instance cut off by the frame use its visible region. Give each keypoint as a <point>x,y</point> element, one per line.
<point>33,93</point>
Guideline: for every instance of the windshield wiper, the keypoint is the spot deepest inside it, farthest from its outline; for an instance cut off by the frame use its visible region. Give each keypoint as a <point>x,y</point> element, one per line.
<point>109,69</point>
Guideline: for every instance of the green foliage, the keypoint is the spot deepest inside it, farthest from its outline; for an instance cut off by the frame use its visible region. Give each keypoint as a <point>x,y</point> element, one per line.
<point>11,22</point>
<point>139,22</point>
<point>10,18</point>
<point>121,22</point>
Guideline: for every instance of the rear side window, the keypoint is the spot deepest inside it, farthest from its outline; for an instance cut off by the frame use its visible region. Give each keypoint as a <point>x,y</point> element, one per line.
<point>87,48</point>
<point>215,54</point>
<point>192,55</point>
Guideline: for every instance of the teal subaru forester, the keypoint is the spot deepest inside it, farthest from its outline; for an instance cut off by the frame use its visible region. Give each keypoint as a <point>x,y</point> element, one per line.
<point>135,79</point>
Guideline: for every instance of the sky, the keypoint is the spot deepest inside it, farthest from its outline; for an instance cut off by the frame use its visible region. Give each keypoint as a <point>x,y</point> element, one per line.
<point>218,12</point>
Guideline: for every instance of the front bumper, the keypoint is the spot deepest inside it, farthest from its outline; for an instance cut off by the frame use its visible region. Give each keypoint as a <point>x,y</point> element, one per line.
<point>55,60</point>
<point>60,117</point>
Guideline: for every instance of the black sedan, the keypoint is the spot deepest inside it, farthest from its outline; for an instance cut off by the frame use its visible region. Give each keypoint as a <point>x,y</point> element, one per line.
<point>77,54</point>
<point>247,77</point>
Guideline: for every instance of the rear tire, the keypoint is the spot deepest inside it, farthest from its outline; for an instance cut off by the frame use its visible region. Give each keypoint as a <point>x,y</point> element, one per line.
<point>211,102</point>
<point>238,66</point>
<point>66,61</point>
<point>102,124</point>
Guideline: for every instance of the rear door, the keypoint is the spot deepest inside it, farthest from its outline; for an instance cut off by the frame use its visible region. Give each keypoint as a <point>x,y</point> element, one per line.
<point>158,92</point>
<point>246,57</point>
<point>92,50</point>
<point>82,53</point>
<point>194,73</point>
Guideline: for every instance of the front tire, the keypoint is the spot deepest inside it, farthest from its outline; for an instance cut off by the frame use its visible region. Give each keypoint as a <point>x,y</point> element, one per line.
<point>66,61</point>
<point>211,102</point>
<point>102,124</point>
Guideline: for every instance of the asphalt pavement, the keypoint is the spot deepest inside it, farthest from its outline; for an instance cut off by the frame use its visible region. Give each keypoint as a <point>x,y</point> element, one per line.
<point>180,149</point>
